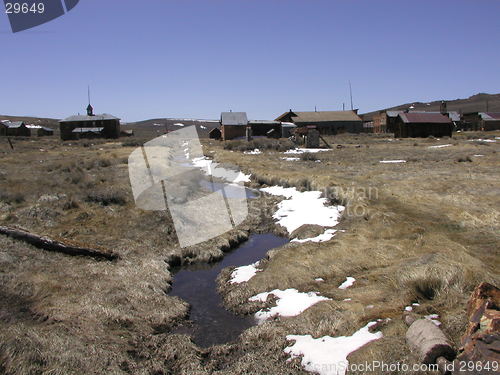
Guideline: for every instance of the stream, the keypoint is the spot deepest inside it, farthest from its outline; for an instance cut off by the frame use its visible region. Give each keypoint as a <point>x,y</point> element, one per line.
<point>211,323</point>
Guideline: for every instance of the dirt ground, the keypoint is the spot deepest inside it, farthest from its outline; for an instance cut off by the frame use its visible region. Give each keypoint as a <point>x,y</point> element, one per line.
<point>423,231</point>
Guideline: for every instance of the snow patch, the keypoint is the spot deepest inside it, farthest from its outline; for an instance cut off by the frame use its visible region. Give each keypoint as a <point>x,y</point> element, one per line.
<point>326,236</point>
<point>244,273</point>
<point>253,152</point>
<point>440,146</point>
<point>392,161</point>
<point>328,355</point>
<point>290,302</point>
<point>483,140</point>
<point>291,159</point>
<point>349,281</point>
<point>304,150</point>
<point>301,208</point>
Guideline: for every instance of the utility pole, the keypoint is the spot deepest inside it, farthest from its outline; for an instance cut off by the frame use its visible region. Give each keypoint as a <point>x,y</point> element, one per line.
<point>350,93</point>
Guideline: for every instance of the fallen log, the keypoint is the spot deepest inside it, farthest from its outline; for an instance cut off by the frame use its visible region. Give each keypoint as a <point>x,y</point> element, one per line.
<point>429,342</point>
<point>48,244</point>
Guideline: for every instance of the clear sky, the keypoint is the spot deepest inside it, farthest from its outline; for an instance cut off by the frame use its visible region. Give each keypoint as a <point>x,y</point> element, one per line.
<point>196,58</point>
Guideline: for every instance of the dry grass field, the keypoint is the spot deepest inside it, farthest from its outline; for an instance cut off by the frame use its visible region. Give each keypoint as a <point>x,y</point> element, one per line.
<point>423,231</point>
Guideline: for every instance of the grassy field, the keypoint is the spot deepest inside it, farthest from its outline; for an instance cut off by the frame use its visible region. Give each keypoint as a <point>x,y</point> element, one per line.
<point>423,231</point>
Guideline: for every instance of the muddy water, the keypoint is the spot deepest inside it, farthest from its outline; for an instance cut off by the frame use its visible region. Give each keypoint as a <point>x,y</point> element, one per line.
<point>212,324</point>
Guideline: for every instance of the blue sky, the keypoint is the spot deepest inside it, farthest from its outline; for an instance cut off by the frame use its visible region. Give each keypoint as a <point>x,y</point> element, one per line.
<point>196,58</point>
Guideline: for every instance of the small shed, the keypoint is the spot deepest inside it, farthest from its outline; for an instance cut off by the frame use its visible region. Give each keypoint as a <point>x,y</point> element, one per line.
<point>422,124</point>
<point>44,132</point>
<point>233,125</point>
<point>215,133</point>
<point>126,132</point>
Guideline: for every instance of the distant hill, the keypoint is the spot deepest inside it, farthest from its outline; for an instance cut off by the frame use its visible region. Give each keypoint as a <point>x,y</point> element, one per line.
<point>160,125</point>
<point>48,122</point>
<point>476,103</point>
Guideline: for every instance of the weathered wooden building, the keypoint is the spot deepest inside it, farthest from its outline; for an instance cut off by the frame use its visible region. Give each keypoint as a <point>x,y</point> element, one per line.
<point>482,121</point>
<point>110,125</point>
<point>233,125</point>
<point>14,129</point>
<point>326,122</point>
<point>422,124</point>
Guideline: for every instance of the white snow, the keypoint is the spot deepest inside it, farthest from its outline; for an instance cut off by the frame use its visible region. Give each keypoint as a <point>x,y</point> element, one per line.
<point>319,279</point>
<point>290,302</point>
<point>392,161</point>
<point>210,167</point>
<point>328,355</point>
<point>303,150</point>
<point>478,155</point>
<point>244,273</point>
<point>203,127</point>
<point>349,281</point>
<point>483,140</point>
<point>253,152</point>
<point>178,124</point>
<point>326,236</point>
<point>291,159</point>
<point>347,299</point>
<point>408,308</point>
<point>440,146</point>
<point>433,318</point>
<point>299,208</point>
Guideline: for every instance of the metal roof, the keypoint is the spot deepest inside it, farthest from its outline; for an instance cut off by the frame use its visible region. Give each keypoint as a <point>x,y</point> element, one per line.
<point>424,117</point>
<point>393,113</point>
<point>47,129</point>
<point>453,115</point>
<point>490,116</point>
<point>87,130</point>
<point>263,122</point>
<point>85,118</point>
<point>234,118</point>
<point>14,124</point>
<point>322,116</point>
<point>288,125</point>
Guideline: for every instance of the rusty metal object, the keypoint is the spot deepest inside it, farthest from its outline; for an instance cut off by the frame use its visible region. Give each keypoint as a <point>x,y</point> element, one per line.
<point>481,340</point>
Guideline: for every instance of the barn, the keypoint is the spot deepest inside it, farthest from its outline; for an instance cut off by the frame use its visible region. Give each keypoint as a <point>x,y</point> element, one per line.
<point>422,124</point>
<point>326,122</point>
<point>14,129</point>
<point>110,125</point>
<point>233,125</point>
